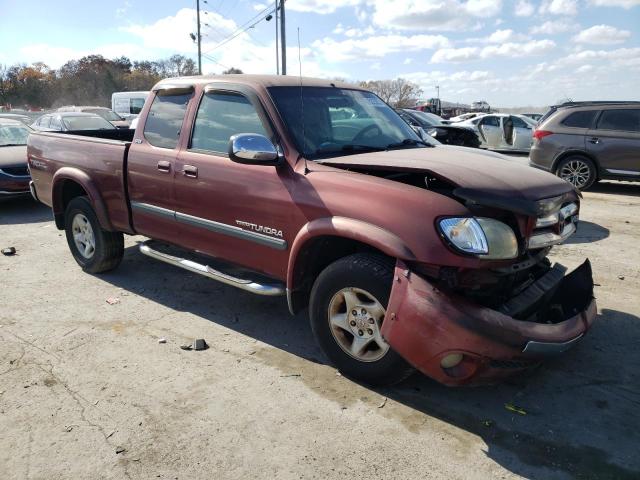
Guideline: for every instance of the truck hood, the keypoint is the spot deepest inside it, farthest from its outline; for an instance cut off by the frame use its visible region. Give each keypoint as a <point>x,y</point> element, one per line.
<point>478,176</point>
<point>13,156</point>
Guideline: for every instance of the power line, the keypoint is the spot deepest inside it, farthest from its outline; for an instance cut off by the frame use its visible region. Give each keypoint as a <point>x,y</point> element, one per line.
<point>242,30</point>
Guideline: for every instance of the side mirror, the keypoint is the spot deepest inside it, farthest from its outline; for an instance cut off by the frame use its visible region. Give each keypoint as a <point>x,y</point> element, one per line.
<point>253,149</point>
<point>420,131</point>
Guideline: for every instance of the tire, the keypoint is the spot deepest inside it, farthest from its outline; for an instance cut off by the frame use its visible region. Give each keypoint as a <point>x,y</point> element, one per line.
<point>354,284</point>
<point>105,249</point>
<point>577,170</point>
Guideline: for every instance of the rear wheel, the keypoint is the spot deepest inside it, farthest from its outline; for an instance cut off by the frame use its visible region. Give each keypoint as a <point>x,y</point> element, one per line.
<point>94,249</point>
<point>577,170</point>
<point>347,308</point>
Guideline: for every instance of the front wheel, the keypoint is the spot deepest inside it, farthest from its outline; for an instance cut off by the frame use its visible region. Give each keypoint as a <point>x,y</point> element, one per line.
<point>94,249</point>
<point>347,308</point>
<point>578,171</point>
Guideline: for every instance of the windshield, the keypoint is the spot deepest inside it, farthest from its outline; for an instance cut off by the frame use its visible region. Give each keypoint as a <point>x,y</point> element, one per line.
<point>106,114</point>
<point>339,121</point>
<point>87,123</point>
<point>14,134</point>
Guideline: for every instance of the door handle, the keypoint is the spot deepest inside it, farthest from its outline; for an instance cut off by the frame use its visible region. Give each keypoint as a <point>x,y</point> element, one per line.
<point>594,140</point>
<point>190,171</point>
<point>164,166</point>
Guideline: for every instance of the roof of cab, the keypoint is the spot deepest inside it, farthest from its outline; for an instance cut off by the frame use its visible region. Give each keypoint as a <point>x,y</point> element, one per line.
<point>252,80</point>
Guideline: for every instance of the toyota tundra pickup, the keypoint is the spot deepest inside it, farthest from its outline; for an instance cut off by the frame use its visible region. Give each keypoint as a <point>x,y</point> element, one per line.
<point>408,255</point>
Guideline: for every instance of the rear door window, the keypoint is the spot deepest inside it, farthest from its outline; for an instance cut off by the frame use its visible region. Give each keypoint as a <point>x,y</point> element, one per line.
<point>220,116</point>
<point>626,120</point>
<point>135,105</point>
<point>490,121</point>
<point>163,124</point>
<point>580,119</point>
<point>519,123</point>
<point>55,123</point>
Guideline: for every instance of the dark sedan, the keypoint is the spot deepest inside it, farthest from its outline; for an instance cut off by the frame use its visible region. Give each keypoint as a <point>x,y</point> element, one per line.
<point>432,125</point>
<point>14,174</point>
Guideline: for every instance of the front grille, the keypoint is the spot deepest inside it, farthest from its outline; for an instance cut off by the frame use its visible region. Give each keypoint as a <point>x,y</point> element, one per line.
<point>555,226</point>
<point>21,171</point>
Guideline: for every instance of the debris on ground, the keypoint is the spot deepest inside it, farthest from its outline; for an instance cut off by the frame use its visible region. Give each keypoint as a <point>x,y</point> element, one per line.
<point>162,340</point>
<point>620,277</point>
<point>120,450</point>
<point>487,423</point>
<point>515,409</point>
<point>200,344</point>
<point>291,375</point>
<point>384,402</point>
<point>111,434</point>
<point>9,251</point>
<point>113,300</point>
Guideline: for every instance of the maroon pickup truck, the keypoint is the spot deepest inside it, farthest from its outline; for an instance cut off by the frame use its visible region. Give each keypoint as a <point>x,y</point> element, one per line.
<point>407,254</point>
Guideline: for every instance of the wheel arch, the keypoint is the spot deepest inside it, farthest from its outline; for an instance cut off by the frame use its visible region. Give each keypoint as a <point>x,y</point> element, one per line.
<point>323,241</point>
<point>577,153</point>
<point>69,183</point>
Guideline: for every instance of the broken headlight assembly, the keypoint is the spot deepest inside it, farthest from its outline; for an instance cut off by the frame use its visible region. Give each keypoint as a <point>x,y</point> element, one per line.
<point>482,237</point>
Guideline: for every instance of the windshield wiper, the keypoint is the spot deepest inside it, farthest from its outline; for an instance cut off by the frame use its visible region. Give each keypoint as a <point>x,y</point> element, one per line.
<point>408,142</point>
<point>12,144</point>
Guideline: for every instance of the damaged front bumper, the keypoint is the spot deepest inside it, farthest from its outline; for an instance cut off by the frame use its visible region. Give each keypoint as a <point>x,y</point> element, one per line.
<point>458,342</point>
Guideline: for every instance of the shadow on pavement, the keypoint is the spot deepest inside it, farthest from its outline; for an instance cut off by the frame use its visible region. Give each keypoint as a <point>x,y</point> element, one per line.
<point>617,188</point>
<point>588,232</point>
<point>581,410</point>
<point>23,210</point>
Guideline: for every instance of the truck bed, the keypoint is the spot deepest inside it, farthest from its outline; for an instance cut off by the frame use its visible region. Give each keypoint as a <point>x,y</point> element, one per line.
<point>95,159</point>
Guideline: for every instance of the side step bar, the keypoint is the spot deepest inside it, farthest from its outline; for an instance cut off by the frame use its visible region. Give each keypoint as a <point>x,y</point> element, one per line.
<point>205,270</point>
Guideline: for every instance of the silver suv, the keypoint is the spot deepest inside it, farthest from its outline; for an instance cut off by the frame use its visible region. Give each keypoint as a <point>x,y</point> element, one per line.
<point>583,142</point>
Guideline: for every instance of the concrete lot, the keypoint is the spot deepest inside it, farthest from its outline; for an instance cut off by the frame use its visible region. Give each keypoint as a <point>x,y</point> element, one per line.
<point>81,380</point>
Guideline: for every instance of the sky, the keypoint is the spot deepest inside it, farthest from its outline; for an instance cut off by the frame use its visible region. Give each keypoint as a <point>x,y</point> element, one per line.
<point>507,52</point>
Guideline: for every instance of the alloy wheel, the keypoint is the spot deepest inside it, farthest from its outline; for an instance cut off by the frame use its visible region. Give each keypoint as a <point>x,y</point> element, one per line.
<point>83,235</point>
<point>355,317</point>
<point>576,172</point>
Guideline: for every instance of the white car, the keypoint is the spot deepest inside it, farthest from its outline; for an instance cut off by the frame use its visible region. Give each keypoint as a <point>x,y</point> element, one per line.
<point>466,116</point>
<point>501,131</point>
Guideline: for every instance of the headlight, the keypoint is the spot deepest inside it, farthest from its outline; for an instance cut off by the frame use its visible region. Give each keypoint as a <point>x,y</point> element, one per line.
<point>485,237</point>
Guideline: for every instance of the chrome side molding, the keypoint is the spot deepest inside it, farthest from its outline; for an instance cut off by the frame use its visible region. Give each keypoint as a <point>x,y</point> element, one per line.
<point>205,270</point>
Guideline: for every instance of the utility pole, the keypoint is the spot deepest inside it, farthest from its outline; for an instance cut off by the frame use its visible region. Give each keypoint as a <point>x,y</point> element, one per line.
<point>283,38</point>
<point>277,48</point>
<point>199,38</point>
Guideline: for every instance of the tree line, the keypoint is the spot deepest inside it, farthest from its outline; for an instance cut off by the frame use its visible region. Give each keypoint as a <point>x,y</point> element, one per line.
<point>92,79</point>
<point>88,81</point>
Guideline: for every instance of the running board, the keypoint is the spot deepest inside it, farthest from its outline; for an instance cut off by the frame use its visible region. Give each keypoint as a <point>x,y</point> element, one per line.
<point>205,270</point>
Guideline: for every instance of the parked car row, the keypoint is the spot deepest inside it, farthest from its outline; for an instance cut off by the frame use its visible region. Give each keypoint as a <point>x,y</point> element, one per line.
<point>71,121</point>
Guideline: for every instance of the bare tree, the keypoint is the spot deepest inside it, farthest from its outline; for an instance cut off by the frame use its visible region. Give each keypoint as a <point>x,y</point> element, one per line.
<point>398,93</point>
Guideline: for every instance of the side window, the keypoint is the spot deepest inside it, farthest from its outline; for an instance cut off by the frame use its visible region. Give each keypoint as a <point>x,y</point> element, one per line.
<point>45,121</point>
<point>519,123</point>
<point>221,115</point>
<point>55,123</point>
<point>163,124</point>
<point>135,105</point>
<point>491,121</point>
<point>580,119</point>
<point>623,119</point>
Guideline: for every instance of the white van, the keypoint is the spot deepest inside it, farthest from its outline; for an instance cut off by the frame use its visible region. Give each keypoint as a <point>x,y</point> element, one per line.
<point>128,104</point>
